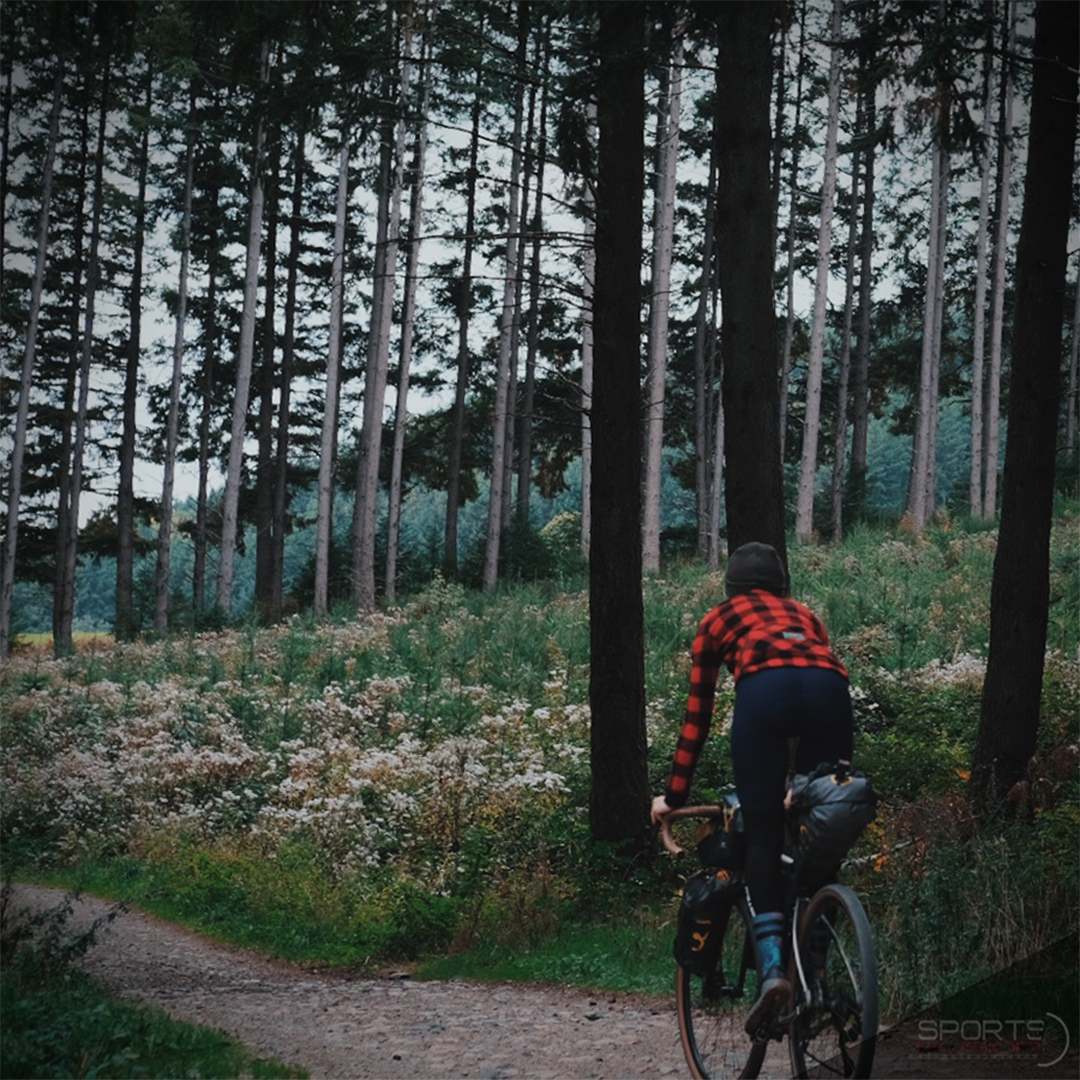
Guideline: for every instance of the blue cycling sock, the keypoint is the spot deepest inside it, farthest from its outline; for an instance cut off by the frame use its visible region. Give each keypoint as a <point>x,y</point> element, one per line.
<point>768,933</point>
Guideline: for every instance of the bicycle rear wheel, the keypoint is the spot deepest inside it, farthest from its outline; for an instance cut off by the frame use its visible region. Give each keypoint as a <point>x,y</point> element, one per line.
<point>712,1009</point>
<point>834,1031</point>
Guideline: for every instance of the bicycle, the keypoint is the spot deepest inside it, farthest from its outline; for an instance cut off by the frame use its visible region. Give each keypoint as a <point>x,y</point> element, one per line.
<point>831,1026</point>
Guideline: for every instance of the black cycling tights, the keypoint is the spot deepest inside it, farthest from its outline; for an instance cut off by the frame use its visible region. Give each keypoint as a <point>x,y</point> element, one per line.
<point>812,705</point>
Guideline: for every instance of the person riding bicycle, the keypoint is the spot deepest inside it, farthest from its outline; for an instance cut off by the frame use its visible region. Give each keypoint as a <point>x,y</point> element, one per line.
<point>788,684</point>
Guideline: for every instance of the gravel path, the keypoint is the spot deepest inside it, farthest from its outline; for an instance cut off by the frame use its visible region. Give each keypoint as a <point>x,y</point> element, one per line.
<point>338,1026</point>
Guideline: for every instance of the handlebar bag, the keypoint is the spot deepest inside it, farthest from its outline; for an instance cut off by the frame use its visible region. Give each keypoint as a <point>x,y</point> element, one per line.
<point>724,844</point>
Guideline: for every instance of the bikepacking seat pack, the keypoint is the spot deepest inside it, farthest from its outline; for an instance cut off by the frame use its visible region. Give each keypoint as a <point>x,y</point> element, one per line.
<point>832,807</point>
<point>706,903</point>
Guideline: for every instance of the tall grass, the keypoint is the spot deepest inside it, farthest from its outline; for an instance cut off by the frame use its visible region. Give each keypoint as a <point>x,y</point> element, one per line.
<point>371,790</point>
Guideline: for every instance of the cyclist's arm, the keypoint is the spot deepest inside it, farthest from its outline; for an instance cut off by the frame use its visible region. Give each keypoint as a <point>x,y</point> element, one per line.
<point>707,657</point>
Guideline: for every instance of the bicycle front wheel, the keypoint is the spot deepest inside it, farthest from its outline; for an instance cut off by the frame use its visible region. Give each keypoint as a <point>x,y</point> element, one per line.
<point>834,1030</point>
<point>712,1008</point>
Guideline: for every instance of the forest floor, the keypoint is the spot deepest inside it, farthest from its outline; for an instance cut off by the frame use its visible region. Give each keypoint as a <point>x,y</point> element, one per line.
<point>335,1024</point>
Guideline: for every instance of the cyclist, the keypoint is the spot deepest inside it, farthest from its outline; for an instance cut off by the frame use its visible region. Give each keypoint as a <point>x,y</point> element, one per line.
<point>788,685</point>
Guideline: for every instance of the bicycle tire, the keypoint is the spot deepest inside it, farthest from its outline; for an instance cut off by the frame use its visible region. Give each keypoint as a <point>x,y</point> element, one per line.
<point>834,1031</point>
<point>711,1015</point>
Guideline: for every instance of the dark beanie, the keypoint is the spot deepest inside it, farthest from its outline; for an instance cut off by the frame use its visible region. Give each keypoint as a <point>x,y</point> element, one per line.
<point>756,566</point>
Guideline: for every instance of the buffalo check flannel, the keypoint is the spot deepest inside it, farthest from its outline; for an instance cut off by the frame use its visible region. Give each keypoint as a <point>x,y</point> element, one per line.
<point>750,632</point>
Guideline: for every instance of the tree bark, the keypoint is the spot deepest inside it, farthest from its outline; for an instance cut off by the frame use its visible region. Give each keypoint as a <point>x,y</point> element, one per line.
<point>265,471</point>
<point>793,211</point>
<point>528,395</point>
<point>922,460</point>
<point>860,406</point>
<point>288,350</point>
<point>660,300</point>
<point>754,488</point>
<point>124,626</point>
<point>324,514</point>
<point>63,642</point>
<point>703,370</point>
<point>234,471</point>
<point>804,515</point>
<point>464,352</point>
<point>408,318</point>
<point>840,440</point>
<point>978,332</point>
<point>992,417</point>
<point>22,409</point>
<point>172,425</point>
<point>588,350</point>
<point>1020,592</point>
<point>1074,356</point>
<point>507,321</point>
<point>618,802</point>
<point>379,344</point>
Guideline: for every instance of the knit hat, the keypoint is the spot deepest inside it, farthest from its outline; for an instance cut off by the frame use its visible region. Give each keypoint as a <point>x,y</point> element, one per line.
<point>756,566</point>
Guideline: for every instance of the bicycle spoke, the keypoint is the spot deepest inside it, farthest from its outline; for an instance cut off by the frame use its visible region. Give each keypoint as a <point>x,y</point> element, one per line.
<point>834,1032</point>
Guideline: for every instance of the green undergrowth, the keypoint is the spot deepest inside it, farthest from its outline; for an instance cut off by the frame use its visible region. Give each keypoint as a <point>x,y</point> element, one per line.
<point>629,955</point>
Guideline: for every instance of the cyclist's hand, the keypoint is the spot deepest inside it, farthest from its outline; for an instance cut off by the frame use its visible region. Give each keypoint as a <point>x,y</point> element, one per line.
<point>659,809</point>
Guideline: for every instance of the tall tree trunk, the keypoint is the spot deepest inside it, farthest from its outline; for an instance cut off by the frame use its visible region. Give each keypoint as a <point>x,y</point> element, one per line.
<point>1020,593</point>
<point>63,642</point>
<point>22,410</point>
<point>754,489</point>
<point>125,627</point>
<point>265,471</point>
<point>992,418</point>
<point>71,370</point>
<point>618,801</point>
<point>234,471</point>
<point>524,485</point>
<point>379,342</point>
<point>172,426</point>
<point>1074,356</point>
<point>588,348</point>
<point>717,482</point>
<point>978,333</point>
<point>7,68</point>
<point>860,405</point>
<point>208,381</point>
<point>408,320</point>
<point>840,439</point>
<point>660,300</point>
<point>793,211</point>
<point>464,353</point>
<point>930,478</point>
<point>324,514</point>
<point>927,408</point>
<point>804,514</point>
<point>288,349</point>
<point>507,320</point>
<point>703,370</point>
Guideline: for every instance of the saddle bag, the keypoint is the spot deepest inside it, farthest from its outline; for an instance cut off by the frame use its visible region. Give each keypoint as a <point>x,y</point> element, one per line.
<point>832,807</point>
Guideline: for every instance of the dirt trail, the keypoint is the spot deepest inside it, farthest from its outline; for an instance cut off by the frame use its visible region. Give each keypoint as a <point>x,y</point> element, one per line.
<point>338,1026</point>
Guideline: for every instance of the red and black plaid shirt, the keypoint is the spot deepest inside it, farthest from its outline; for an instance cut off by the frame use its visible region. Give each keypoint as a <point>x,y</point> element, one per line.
<point>750,632</point>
